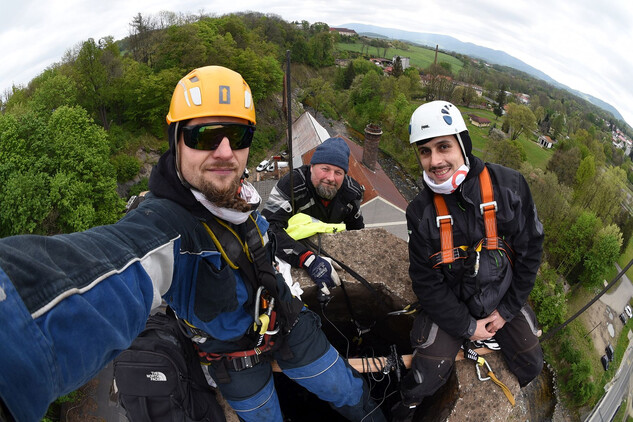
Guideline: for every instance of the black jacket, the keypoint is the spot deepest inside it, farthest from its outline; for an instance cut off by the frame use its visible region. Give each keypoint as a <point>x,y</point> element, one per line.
<point>343,208</point>
<point>441,291</point>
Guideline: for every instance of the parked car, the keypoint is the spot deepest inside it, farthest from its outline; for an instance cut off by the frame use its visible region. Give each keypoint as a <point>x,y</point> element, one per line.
<point>605,362</point>
<point>623,317</point>
<point>271,167</point>
<point>246,173</point>
<point>628,311</point>
<point>262,166</point>
<point>610,352</point>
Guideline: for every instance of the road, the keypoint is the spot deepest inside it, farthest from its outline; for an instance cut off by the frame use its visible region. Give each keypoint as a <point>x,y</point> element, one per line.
<point>619,296</point>
<point>617,389</point>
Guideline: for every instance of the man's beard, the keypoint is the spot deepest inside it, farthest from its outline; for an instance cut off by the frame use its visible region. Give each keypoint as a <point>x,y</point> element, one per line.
<point>227,197</point>
<point>326,191</point>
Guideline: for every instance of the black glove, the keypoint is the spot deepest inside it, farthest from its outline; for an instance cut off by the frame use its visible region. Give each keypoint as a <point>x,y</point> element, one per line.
<point>322,272</point>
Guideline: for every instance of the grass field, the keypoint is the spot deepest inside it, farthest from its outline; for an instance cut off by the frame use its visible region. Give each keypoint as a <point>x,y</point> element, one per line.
<point>418,56</point>
<point>536,155</point>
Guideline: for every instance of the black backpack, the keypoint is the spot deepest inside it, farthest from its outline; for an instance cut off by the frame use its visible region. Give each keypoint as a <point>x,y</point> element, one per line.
<point>159,377</point>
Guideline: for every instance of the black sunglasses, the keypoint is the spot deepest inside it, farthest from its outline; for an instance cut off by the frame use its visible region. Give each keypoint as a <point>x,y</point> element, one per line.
<point>208,136</point>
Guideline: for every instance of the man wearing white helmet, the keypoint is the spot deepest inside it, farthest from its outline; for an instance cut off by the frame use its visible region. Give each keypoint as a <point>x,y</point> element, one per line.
<point>475,245</point>
<point>71,303</point>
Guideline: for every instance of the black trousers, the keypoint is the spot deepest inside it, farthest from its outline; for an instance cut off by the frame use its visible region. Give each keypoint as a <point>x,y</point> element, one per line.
<point>435,351</point>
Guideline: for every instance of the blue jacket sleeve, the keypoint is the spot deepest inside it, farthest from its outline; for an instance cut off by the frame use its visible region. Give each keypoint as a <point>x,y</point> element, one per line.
<point>70,303</point>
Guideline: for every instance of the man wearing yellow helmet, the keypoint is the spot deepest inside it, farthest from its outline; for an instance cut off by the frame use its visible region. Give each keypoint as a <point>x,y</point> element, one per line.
<point>195,242</point>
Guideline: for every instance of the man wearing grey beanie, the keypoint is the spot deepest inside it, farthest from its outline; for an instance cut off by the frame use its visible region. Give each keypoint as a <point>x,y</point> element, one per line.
<point>322,190</point>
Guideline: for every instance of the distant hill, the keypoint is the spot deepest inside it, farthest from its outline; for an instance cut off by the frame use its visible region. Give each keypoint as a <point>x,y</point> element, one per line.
<point>448,43</point>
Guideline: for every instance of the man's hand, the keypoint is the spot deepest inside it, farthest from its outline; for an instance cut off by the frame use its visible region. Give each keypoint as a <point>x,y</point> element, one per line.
<point>488,326</point>
<point>496,323</point>
<point>322,272</point>
<point>482,332</point>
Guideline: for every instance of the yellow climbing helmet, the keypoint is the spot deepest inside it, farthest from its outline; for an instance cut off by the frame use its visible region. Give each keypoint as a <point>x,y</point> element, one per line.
<point>211,91</point>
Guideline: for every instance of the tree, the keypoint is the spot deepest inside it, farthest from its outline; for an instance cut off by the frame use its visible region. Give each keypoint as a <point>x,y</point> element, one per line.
<point>349,75</point>
<point>458,95</point>
<point>505,152</point>
<point>63,181</point>
<point>520,119</point>
<point>552,200</point>
<point>397,67</point>
<point>141,29</point>
<point>573,244</point>
<point>603,194</point>
<point>53,90</point>
<point>97,69</point>
<point>468,96</point>
<point>605,250</point>
<point>565,164</point>
<point>548,297</point>
<point>585,173</point>
<point>501,102</point>
<point>319,93</point>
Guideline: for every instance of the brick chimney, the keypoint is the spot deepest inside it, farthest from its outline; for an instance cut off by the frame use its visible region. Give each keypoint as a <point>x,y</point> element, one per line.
<point>370,149</point>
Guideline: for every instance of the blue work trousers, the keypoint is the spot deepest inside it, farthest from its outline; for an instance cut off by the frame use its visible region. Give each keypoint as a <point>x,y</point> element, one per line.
<point>314,364</point>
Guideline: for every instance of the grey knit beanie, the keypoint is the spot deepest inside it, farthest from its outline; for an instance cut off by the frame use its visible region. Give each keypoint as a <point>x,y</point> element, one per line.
<point>332,151</point>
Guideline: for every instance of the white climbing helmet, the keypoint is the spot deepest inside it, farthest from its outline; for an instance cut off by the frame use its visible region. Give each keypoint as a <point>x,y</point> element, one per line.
<point>439,118</point>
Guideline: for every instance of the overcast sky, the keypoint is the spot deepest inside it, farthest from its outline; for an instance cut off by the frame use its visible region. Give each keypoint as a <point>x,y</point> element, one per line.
<point>584,44</point>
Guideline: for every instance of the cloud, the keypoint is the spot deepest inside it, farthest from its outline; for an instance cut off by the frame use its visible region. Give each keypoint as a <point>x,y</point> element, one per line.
<point>583,44</point>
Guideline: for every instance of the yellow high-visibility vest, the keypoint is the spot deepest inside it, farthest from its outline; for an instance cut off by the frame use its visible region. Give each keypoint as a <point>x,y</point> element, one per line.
<point>302,225</point>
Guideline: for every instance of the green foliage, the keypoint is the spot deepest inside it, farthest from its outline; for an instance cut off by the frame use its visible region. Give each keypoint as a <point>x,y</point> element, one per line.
<point>604,251</point>
<point>579,384</point>
<point>263,140</point>
<point>505,152</point>
<point>520,119</point>
<point>97,70</point>
<point>570,246</point>
<point>56,176</point>
<point>53,91</point>
<point>126,167</point>
<point>145,95</point>
<point>572,353</point>
<point>603,194</point>
<point>549,299</point>
<point>565,163</point>
<point>141,186</point>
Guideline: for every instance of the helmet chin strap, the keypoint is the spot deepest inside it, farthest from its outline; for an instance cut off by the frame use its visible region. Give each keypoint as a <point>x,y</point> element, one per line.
<point>461,145</point>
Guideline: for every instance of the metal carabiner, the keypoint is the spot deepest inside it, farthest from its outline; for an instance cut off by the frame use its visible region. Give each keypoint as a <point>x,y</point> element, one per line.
<point>480,362</point>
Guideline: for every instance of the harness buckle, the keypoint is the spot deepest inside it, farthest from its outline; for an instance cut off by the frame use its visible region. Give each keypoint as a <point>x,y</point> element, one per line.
<point>487,204</point>
<point>244,362</point>
<point>439,219</point>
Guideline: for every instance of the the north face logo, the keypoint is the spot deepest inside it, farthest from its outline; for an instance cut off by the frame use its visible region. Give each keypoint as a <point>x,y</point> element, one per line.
<point>156,376</point>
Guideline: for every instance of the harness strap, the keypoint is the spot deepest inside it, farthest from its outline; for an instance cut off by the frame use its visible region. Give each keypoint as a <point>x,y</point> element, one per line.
<point>488,208</point>
<point>480,362</point>
<point>504,388</point>
<point>254,262</point>
<point>444,222</point>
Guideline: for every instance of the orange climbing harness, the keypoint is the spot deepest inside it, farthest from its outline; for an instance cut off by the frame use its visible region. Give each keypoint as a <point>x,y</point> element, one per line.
<point>488,208</point>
